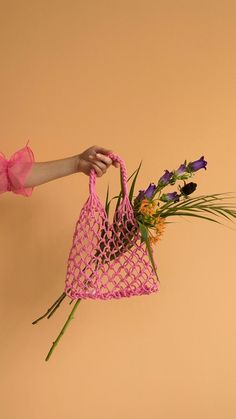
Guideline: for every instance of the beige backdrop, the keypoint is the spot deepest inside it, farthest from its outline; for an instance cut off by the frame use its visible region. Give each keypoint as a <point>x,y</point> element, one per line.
<point>152,80</point>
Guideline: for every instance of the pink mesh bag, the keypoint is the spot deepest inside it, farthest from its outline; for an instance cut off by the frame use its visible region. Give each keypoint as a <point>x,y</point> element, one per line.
<point>108,260</point>
<point>13,172</point>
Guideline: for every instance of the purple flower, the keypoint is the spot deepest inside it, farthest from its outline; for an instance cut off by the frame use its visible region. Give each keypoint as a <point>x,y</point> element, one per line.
<point>150,190</point>
<point>182,169</point>
<point>197,164</point>
<point>167,197</point>
<point>165,179</point>
<point>146,193</point>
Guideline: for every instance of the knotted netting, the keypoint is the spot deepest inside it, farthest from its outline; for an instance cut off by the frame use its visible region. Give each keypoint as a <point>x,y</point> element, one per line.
<point>108,260</point>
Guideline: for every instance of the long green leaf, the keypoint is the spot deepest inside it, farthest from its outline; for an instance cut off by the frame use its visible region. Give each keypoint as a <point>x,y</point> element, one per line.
<point>201,203</point>
<point>197,210</point>
<point>192,215</point>
<point>186,203</point>
<point>192,201</point>
<point>119,196</point>
<point>131,192</point>
<point>222,212</point>
<point>107,204</point>
<point>211,208</point>
<point>118,201</point>
<point>144,234</point>
<point>216,211</point>
<point>132,174</point>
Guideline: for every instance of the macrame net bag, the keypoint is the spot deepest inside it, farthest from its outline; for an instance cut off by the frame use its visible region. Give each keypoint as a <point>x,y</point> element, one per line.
<point>108,260</point>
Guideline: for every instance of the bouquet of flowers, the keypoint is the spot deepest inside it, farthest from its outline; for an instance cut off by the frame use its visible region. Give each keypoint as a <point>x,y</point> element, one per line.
<point>151,208</point>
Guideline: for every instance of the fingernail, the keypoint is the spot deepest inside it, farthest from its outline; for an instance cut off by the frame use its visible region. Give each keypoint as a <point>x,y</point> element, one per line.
<point>98,155</point>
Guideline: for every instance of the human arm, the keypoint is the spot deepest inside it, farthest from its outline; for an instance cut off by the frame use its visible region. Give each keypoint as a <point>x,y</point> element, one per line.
<point>94,157</point>
<point>20,174</point>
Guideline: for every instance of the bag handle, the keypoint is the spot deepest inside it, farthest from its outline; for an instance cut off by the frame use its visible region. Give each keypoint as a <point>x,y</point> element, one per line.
<point>114,157</point>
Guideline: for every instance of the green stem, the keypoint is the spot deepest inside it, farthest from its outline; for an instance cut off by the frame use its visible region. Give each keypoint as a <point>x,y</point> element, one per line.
<point>58,305</point>
<point>63,330</point>
<point>50,309</point>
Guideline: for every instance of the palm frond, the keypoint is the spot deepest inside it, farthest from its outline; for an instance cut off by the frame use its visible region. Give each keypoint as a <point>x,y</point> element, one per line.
<point>213,204</point>
<point>193,215</point>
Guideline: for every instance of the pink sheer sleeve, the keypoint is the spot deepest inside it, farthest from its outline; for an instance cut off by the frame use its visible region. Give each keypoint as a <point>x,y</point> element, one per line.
<point>13,172</point>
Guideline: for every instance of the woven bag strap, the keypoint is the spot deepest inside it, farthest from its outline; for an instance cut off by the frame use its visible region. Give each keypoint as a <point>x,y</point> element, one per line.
<point>114,157</point>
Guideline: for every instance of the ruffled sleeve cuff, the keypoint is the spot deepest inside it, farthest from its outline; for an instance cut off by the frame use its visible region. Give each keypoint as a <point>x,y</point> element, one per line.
<point>13,172</point>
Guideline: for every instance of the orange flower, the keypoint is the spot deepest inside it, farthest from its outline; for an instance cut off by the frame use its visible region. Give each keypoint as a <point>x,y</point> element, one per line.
<point>153,240</point>
<point>147,207</point>
<point>159,229</point>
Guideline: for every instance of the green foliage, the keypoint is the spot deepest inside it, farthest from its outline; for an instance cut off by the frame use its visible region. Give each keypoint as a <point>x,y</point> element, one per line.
<point>107,204</point>
<point>200,206</point>
<point>120,194</point>
<point>144,238</point>
<point>131,193</point>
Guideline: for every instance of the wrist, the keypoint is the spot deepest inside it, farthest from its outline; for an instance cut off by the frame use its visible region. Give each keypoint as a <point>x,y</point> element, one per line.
<point>75,163</point>
<point>78,163</point>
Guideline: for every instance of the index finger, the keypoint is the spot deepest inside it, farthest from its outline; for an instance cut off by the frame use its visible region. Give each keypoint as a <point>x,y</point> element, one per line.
<point>102,150</point>
<point>104,158</point>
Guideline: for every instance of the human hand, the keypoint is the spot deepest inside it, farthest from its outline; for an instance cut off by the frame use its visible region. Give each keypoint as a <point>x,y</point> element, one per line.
<point>96,158</point>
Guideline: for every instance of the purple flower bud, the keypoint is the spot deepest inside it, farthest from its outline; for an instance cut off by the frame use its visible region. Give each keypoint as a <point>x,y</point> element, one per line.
<point>146,193</point>
<point>150,190</point>
<point>182,169</point>
<point>197,164</point>
<point>164,180</point>
<point>167,197</point>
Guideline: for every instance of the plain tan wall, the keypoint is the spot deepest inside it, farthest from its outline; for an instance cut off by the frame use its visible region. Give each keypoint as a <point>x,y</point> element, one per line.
<point>152,80</point>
